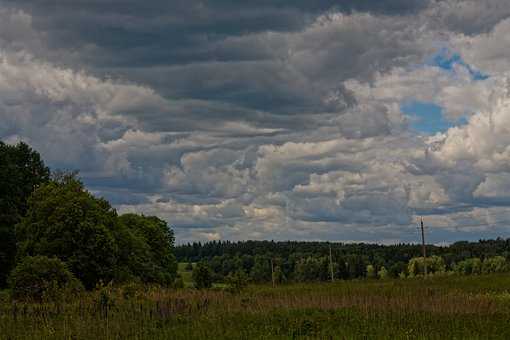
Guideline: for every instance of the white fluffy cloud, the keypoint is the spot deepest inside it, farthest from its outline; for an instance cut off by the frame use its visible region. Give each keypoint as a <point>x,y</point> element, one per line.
<point>291,134</point>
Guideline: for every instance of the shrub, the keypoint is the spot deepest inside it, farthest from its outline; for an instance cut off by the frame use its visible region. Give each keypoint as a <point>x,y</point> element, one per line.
<point>278,275</point>
<point>131,290</point>
<point>469,267</point>
<point>237,281</point>
<point>435,264</point>
<point>312,269</point>
<point>371,273</point>
<point>202,276</point>
<point>40,277</point>
<point>496,264</point>
<point>382,273</point>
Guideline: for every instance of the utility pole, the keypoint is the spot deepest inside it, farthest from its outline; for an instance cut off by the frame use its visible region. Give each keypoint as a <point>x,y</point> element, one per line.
<point>423,248</point>
<point>331,264</point>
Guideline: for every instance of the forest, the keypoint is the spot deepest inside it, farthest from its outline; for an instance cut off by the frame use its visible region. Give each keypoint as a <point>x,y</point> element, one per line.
<point>311,261</point>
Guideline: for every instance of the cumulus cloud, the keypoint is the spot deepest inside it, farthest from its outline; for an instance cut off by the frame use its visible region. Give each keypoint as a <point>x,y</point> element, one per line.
<point>246,126</point>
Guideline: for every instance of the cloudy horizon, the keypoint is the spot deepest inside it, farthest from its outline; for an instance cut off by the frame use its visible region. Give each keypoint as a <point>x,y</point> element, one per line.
<point>285,120</point>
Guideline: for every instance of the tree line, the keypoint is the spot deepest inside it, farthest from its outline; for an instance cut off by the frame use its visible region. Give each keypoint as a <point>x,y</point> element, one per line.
<point>292,261</point>
<point>50,225</point>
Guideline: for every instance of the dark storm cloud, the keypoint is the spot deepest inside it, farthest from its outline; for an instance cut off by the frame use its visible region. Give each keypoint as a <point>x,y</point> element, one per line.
<point>206,50</point>
<point>263,119</point>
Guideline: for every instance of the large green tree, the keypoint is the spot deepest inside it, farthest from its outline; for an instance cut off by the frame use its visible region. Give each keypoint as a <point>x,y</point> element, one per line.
<point>66,221</point>
<point>21,171</point>
<point>149,255</point>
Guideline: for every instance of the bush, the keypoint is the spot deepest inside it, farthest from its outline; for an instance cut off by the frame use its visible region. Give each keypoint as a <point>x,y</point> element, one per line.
<point>471,266</point>
<point>312,269</point>
<point>371,273</point>
<point>40,277</point>
<point>496,264</point>
<point>278,275</point>
<point>382,273</point>
<point>435,264</point>
<point>237,281</point>
<point>202,276</point>
<point>131,290</point>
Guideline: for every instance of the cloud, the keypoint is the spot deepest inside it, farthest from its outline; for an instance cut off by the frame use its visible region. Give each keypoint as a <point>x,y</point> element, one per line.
<point>267,120</point>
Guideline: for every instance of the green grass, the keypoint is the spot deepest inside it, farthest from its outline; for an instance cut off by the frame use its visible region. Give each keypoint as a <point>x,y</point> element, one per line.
<point>435,308</point>
<point>185,274</point>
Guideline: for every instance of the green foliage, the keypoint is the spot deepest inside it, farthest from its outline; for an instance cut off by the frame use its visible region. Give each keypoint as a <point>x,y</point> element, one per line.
<point>41,277</point>
<point>105,299</point>
<point>60,218</point>
<point>202,276</point>
<point>435,264</point>
<point>146,248</point>
<point>496,264</point>
<point>179,282</point>
<point>237,281</point>
<point>21,170</point>
<point>471,266</point>
<point>278,275</point>
<point>312,269</point>
<point>261,270</point>
<point>371,272</point>
<point>340,270</point>
<point>383,273</point>
<point>349,260</point>
<point>66,221</point>
<point>189,267</point>
<point>398,268</point>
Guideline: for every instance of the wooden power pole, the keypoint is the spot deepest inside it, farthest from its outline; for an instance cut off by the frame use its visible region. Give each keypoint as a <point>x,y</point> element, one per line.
<point>331,264</point>
<point>423,248</point>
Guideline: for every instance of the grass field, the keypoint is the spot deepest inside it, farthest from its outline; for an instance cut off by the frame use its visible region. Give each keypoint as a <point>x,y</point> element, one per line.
<point>476,307</point>
<point>185,274</point>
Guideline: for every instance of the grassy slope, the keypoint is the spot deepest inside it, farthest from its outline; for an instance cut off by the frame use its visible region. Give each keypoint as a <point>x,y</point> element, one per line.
<point>436,308</point>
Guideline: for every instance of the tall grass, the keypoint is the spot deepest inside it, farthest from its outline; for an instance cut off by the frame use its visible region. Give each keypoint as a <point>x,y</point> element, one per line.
<point>476,307</point>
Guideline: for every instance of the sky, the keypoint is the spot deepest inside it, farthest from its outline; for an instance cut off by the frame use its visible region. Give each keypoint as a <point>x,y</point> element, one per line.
<point>284,119</point>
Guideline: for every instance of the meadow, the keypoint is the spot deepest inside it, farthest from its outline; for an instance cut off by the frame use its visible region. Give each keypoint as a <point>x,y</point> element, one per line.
<point>447,307</point>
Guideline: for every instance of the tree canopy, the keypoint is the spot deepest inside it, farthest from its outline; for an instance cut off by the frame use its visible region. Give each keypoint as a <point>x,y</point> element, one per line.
<point>52,215</point>
<point>66,221</point>
<point>152,256</point>
<point>21,171</point>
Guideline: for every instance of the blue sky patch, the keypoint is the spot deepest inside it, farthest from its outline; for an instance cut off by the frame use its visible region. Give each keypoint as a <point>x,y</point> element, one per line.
<point>427,117</point>
<point>447,59</point>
